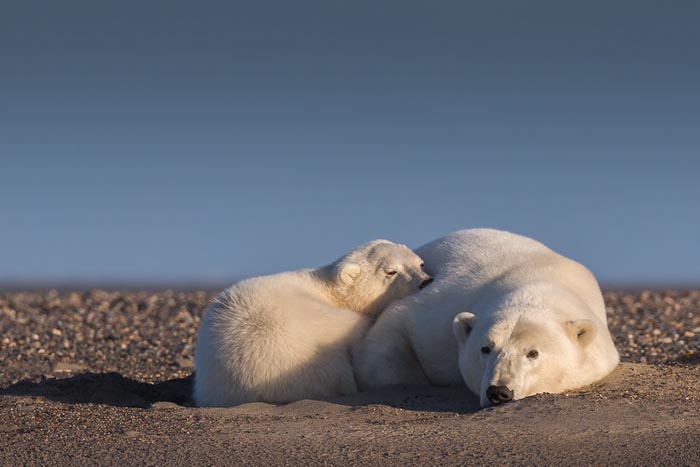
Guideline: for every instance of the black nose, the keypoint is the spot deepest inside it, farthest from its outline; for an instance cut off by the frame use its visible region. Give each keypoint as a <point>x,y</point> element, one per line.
<point>499,394</point>
<point>425,283</point>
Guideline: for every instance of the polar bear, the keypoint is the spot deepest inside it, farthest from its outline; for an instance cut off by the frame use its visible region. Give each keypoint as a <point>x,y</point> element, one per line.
<point>287,336</point>
<point>525,320</point>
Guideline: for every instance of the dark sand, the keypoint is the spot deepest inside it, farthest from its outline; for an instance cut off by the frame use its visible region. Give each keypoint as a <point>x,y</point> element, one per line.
<point>101,378</point>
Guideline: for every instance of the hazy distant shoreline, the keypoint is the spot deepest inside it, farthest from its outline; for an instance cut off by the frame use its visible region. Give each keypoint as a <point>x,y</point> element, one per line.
<point>213,286</point>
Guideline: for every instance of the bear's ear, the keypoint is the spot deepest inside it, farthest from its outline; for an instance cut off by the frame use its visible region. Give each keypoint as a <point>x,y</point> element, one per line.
<point>581,330</point>
<point>462,325</point>
<point>348,272</point>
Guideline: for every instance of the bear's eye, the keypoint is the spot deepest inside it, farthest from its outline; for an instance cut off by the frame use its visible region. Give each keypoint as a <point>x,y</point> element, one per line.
<point>486,350</point>
<point>391,272</point>
<point>422,265</point>
<point>533,354</point>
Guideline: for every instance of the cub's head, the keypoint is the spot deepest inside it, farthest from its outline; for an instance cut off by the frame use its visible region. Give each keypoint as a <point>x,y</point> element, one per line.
<point>376,273</point>
<point>507,361</point>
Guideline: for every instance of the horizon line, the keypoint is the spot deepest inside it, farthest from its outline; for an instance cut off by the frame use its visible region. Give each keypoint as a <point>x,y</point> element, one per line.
<point>78,285</point>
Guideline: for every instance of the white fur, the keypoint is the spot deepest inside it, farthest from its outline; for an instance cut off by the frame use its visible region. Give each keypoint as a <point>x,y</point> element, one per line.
<point>287,336</point>
<point>496,289</point>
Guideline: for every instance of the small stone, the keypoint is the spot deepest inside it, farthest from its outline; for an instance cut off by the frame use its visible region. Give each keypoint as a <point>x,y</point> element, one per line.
<point>185,362</point>
<point>56,332</point>
<point>66,367</point>
<point>165,405</point>
<point>666,340</point>
<point>74,298</point>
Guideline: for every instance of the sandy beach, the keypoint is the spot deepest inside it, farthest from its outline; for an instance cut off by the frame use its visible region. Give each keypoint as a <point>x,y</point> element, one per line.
<point>102,378</point>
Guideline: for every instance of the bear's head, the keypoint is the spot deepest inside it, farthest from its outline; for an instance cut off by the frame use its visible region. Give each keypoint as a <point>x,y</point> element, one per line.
<point>370,277</point>
<point>510,360</point>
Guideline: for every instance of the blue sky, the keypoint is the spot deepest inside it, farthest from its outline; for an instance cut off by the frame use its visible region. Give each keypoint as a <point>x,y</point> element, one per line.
<point>178,141</point>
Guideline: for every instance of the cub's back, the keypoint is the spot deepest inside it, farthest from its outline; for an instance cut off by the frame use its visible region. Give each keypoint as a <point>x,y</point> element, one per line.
<point>286,304</point>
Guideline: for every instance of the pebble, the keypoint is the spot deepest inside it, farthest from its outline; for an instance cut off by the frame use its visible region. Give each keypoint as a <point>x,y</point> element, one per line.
<point>166,405</point>
<point>65,367</point>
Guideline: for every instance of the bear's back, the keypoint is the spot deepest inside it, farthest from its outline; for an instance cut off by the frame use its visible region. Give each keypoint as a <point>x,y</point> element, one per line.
<point>480,255</point>
<point>472,259</point>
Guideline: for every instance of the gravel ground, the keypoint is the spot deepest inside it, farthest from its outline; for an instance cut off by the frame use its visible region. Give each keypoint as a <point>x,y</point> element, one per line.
<point>151,336</point>
<point>141,335</point>
<point>101,378</point>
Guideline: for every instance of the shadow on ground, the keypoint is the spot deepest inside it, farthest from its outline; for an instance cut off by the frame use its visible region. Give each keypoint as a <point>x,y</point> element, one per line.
<point>105,388</point>
<point>691,358</point>
<point>415,397</point>
<point>666,383</point>
<point>119,391</point>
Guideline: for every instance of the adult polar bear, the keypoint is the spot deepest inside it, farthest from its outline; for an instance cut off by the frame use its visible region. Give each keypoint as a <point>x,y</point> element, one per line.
<point>526,320</point>
<point>288,336</point>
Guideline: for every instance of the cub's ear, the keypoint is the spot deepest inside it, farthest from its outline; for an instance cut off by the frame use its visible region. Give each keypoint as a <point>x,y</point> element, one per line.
<point>462,325</point>
<point>348,272</point>
<point>581,330</point>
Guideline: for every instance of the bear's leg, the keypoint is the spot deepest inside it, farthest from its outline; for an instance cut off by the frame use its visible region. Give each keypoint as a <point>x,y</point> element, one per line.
<point>385,356</point>
<point>346,379</point>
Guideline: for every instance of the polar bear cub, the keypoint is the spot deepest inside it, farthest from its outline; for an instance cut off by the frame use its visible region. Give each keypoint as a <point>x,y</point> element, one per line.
<point>525,320</point>
<point>287,336</point>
